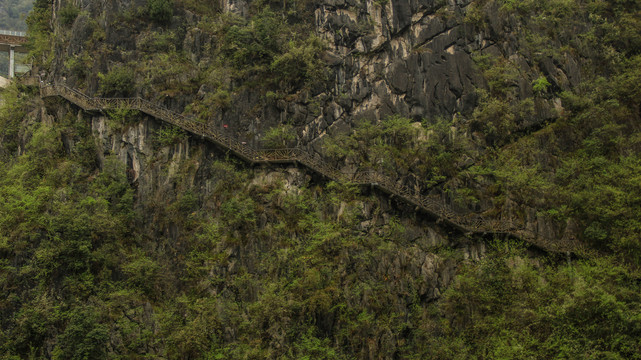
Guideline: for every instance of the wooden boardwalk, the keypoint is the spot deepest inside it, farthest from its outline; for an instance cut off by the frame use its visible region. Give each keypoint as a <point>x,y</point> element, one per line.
<point>470,224</point>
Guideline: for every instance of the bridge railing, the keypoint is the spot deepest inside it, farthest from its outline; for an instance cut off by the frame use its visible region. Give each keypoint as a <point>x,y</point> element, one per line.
<point>13,38</point>
<point>13,33</point>
<point>468,222</point>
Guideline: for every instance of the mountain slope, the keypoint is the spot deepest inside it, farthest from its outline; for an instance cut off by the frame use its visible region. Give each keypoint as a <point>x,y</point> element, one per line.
<point>124,237</point>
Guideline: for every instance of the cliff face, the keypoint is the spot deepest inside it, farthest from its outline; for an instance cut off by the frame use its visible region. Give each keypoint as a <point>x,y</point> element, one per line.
<point>122,236</point>
<point>367,253</point>
<point>195,241</point>
<point>408,58</point>
<point>428,61</point>
<point>415,59</point>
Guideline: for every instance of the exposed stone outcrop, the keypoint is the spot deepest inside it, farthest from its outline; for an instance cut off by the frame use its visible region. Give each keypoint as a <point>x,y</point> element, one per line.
<point>156,171</point>
<point>412,58</point>
<point>4,82</point>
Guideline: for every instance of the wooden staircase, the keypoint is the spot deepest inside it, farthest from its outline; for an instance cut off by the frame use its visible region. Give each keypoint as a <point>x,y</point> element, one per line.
<point>467,223</point>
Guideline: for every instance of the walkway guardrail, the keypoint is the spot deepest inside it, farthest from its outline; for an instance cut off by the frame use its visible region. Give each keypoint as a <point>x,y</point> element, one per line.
<point>13,33</point>
<point>470,223</point>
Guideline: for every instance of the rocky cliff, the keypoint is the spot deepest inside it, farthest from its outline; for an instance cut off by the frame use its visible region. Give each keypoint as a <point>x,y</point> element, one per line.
<point>125,237</point>
<point>427,61</point>
<point>416,59</point>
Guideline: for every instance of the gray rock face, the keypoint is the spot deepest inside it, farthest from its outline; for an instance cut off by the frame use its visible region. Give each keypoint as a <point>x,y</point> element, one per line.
<point>413,257</point>
<point>238,7</point>
<point>415,59</point>
<point>411,58</point>
<point>401,57</point>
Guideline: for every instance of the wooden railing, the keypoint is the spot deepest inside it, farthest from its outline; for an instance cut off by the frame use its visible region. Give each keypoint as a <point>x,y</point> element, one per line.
<point>470,223</point>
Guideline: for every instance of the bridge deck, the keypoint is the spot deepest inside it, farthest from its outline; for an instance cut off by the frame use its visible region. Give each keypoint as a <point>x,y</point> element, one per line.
<point>17,48</point>
<point>15,39</point>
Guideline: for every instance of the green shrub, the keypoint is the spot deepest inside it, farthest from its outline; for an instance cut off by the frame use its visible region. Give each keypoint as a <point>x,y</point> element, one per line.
<point>12,111</point>
<point>79,65</point>
<point>253,44</point>
<point>588,309</point>
<point>210,105</point>
<point>187,202</point>
<point>540,85</point>
<point>218,100</point>
<point>398,145</point>
<point>169,135</point>
<point>279,137</point>
<point>83,338</point>
<point>239,212</point>
<point>158,42</point>
<point>40,33</point>
<point>67,15</point>
<point>119,81</point>
<point>299,65</point>
<point>160,11</point>
<point>168,73</point>
<point>122,116</point>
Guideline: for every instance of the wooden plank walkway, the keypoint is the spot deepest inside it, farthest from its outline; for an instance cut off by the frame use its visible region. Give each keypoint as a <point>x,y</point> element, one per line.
<point>467,223</point>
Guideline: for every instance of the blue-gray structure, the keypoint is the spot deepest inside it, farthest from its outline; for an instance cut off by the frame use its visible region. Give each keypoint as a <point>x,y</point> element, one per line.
<point>12,42</point>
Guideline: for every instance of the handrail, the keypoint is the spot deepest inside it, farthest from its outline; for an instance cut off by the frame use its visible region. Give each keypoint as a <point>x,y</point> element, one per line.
<point>468,223</point>
<point>13,33</point>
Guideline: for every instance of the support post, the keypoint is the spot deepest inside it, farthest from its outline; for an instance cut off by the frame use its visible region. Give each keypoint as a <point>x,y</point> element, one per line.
<point>12,62</point>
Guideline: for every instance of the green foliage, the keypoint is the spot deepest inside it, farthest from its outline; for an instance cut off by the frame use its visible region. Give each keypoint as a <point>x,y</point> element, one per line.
<point>84,337</point>
<point>540,85</point>
<point>160,11</point>
<point>159,42</point>
<point>268,51</point>
<point>122,116</point>
<point>67,15</point>
<point>502,75</point>
<point>238,212</point>
<point>215,102</point>
<point>12,112</point>
<point>55,226</point>
<point>310,347</point>
<point>169,136</point>
<point>551,30</point>
<point>13,15</point>
<point>168,74</point>
<point>208,261</point>
<point>78,65</point>
<point>508,306</point>
<point>200,7</point>
<point>255,43</point>
<point>397,145</point>
<point>499,118</point>
<point>279,137</point>
<point>119,81</point>
<point>143,274</point>
<point>500,113</point>
<point>40,33</point>
<point>585,165</point>
<point>299,64</point>
<point>261,259</point>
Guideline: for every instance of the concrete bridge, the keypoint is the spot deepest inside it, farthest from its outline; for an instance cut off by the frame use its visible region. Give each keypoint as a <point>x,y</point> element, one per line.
<point>12,42</point>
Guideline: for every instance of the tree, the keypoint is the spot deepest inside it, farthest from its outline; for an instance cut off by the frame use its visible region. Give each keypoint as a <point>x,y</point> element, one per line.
<point>160,11</point>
